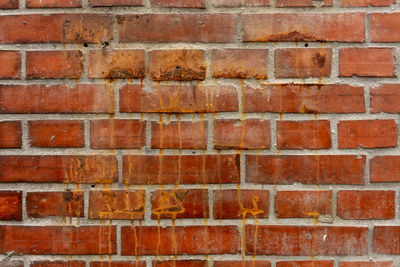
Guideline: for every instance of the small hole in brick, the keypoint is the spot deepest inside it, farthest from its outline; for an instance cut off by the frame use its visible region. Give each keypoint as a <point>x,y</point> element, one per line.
<point>93,185</point>
<point>177,68</point>
<point>85,45</point>
<point>306,45</point>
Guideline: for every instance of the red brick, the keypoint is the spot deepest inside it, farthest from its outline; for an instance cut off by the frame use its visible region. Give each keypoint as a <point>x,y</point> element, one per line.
<point>53,3</point>
<point>241,203</point>
<point>117,64</point>
<point>179,203</point>
<point>56,28</point>
<point>298,27</point>
<point>56,133</point>
<point>366,205</point>
<point>178,98</point>
<point>180,263</point>
<point>179,3</point>
<point>306,240</point>
<point>364,3</point>
<point>58,240</point>
<point>367,134</point>
<point>9,4</point>
<point>315,169</point>
<point>10,64</point>
<point>314,134</point>
<point>58,264</point>
<point>385,98</point>
<point>193,240</point>
<point>385,169</point>
<point>312,263</point>
<point>116,2</point>
<point>384,27</point>
<point>10,134</point>
<point>117,133</point>
<point>59,64</point>
<point>366,62</point>
<point>303,62</point>
<point>366,264</point>
<point>184,169</point>
<point>11,205</point>
<point>116,204</point>
<point>386,240</point>
<point>302,3</point>
<point>43,204</point>
<point>83,98</point>
<point>180,134</point>
<point>237,3</point>
<point>239,63</point>
<point>303,204</point>
<point>188,28</point>
<point>58,169</point>
<point>304,98</point>
<point>178,65</point>
<point>245,263</point>
<point>133,263</point>
<point>242,134</point>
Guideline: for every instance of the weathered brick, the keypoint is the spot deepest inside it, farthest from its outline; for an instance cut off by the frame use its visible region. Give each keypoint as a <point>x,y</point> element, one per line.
<point>43,204</point>
<point>179,3</point>
<point>242,134</point>
<point>57,28</point>
<point>178,98</point>
<point>58,169</point>
<point>365,3</point>
<point>179,65</point>
<point>241,203</point>
<point>385,169</point>
<point>135,263</point>
<point>369,62</point>
<point>386,240</point>
<point>151,240</point>
<point>58,264</point>
<point>52,3</point>
<point>385,98</point>
<point>303,204</point>
<point>117,133</point>
<point>10,134</point>
<point>11,205</point>
<point>218,28</point>
<point>179,203</point>
<point>180,263</point>
<point>302,3</point>
<point>316,169</point>
<point>118,64</point>
<point>313,263</point>
<point>384,27</point>
<point>366,264</point>
<point>9,4</point>
<point>304,98</point>
<point>298,27</point>
<point>303,62</point>
<point>314,134</point>
<point>365,205</point>
<point>367,134</point>
<point>110,3</point>
<point>66,133</point>
<point>239,63</point>
<point>306,240</point>
<point>83,98</point>
<point>10,64</point>
<point>58,240</point>
<point>184,169</point>
<point>179,134</point>
<point>237,3</point>
<point>116,204</point>
<point>59,64</point>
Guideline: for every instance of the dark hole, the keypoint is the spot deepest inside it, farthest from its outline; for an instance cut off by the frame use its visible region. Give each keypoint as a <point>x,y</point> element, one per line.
<point>306,45</point>
<point>105,44</point>
<point>93,185</point>
<point>85,45</point>
<point>178,68</point>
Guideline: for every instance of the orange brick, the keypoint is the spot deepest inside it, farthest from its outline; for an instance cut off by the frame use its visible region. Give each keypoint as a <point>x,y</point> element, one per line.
<point>58,264</point>
<point>10,134</point>
<point>237,3</point>
<point>180,263</point>
<point>110,3</point>
<point>313,263</point>
<point>179,3</point>
<point>11,205</point>
<point>10,64</point>
<point>384,27</point>
<point>385,98</point>
<point>385,240</point>
<point>52,3</point>
<point>9,4</point>
<point>385,169</point>
<point>364,3</point>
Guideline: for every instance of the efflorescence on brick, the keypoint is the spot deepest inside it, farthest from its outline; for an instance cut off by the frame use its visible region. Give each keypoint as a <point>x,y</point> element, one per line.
<point>207,133</point>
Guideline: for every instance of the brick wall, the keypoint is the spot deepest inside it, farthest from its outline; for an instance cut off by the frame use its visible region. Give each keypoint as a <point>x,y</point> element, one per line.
<point>199,133</point>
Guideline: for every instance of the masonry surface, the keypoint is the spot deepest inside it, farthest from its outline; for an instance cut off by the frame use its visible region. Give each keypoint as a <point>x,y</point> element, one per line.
<point>199,133</point>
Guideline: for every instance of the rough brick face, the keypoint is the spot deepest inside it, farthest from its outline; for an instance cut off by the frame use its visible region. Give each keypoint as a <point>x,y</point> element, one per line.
<point>53,3</point>
<point>10,205</point>
<point>386,239</point>
<point>58,264</point>
<point>384,27</point>
<point>304,263</point>
<point>303,63</point>
<point>10,134</point>
<point>179,3</point>
<point>385,98</point>
<point>238,3</point>
<point>385,169</point>
<point>11,64</point>
<point>109,3</point>
<point>9,4</point>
